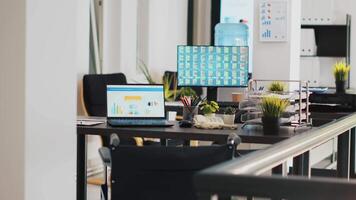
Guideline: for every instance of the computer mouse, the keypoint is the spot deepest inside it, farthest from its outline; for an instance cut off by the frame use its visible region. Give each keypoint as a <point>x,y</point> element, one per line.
<point>185,124</point>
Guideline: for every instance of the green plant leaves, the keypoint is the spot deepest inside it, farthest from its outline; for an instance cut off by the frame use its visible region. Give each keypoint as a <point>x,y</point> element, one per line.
<point>277,87</point>
<point>273,106</point>
<point>187,92</point>
<point>209,107</point>
<point>230,111</point>
<point>341,71</point>
<point>144,69</point>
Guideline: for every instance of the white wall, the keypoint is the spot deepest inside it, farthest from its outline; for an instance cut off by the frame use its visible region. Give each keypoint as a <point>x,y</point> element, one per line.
<point>278,60</point>
<point>54,51</point>
<point>352,11</point>
<point>202,22</point>
<point>349,6</point>
<point>94,142</point>
<point>341,8</point>
<point>83,43</point>
<point>295,32</point>
<point>12,99</point>
<point>43,43</point>
<point>120,36</point>
<point>111,35</point>
<point>334,9</point>
<point>166,28</point>
<point>337,9</point>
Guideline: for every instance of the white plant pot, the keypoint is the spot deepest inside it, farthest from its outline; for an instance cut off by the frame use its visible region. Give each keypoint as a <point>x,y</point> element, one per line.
<point>229,119</point>
<point>211,115</point>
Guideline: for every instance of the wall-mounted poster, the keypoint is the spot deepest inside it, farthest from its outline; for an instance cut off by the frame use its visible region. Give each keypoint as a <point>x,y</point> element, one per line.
<point>273,20</point>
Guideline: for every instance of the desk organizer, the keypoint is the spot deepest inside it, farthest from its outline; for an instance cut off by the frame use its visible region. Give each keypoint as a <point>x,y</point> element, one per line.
<point>297,114</point>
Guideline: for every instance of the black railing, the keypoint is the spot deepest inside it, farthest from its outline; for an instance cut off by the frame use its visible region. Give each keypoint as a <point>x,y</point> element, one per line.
<point>245,176</point>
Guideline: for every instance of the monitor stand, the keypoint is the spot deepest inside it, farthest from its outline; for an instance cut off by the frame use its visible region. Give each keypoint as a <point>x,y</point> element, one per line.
<point>212,93</point>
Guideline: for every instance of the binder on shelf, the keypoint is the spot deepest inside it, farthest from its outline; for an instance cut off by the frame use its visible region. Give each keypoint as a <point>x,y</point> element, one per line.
<point>317,12</point>
<point>310,70</point>
<point>308,42</point>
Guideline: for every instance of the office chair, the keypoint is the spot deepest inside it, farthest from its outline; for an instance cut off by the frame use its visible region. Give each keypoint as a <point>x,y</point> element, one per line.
<point>159,173</point>
<point>94,91</point>
<point>94,97</point>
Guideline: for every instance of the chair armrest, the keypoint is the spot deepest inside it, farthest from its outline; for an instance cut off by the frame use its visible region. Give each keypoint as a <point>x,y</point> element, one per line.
<point>105,155</point>
<point>114,140</point>
<point>139,141</point>
<point>234,139</point>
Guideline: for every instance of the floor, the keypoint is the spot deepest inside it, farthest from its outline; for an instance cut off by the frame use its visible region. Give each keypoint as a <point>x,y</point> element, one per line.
<point>93,192</point>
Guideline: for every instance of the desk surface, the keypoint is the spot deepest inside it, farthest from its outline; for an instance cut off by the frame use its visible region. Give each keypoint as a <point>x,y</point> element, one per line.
<point>250,134</point>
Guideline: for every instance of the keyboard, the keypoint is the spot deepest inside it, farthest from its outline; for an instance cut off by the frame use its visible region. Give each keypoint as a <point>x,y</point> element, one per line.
<point>228,104</point>
<point>139,122</point>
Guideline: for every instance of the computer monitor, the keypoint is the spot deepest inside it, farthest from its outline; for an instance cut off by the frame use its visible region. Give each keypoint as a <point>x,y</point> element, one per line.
<point>213,66</point>
<point>135,101</point>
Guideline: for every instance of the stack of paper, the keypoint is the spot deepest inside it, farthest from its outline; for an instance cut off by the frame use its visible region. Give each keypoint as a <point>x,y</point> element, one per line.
<point>89,122</point>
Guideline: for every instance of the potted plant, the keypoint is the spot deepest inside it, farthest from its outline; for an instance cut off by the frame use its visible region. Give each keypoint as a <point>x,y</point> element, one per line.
<point>341,72</point>
<point>277,87</point>
<point>229,115</point>
<point>187,92</point>
<point>145,71</point>
<point>272,109</point>
<point>190,106</point>
<point>169,95</point>
<point>209,108</point>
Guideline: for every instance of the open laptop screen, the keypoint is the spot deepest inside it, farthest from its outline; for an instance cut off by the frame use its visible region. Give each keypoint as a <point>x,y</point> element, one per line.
<point>135,101</point>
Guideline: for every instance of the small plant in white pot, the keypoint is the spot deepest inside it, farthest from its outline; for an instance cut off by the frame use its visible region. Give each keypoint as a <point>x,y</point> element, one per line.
<point>209,108</point>
<point>229,115</point>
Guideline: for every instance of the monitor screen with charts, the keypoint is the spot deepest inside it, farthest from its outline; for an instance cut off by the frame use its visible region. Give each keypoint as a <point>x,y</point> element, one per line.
<point>213,66</point>
<point>135,101</point>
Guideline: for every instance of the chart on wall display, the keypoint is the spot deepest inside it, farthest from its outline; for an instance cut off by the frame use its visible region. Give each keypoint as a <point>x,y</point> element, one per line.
<point>135,101</point>
<point>215,66</point>
<point>273,20</point>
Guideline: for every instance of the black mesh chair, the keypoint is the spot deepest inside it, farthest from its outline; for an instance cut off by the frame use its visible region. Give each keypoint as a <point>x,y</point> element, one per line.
<point>94,96</point>
<point>94,91</point>
<point>160,173</point>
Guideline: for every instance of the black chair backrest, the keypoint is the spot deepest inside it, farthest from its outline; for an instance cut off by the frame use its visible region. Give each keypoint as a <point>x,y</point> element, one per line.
<point>161,173</point>
<point>94,90</point>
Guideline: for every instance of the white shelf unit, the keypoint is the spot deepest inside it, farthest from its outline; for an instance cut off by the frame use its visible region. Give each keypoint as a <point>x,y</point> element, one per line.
<point>317,68</point>
<point>324,14</point>
<point>298,113</point>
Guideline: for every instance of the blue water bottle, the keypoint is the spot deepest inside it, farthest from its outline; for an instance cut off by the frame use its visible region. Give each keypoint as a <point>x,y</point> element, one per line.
<point>231,33</point>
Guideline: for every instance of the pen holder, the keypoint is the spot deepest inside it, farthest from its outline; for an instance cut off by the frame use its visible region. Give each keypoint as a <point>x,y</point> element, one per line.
<point>189,112</point>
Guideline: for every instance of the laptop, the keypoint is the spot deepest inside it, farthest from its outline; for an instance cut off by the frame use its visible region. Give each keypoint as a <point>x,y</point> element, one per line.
<point>136,105</point>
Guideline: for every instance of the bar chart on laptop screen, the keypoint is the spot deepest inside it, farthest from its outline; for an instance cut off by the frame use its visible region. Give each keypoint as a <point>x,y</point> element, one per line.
<point>213,66</point>
<point>135,101</point>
